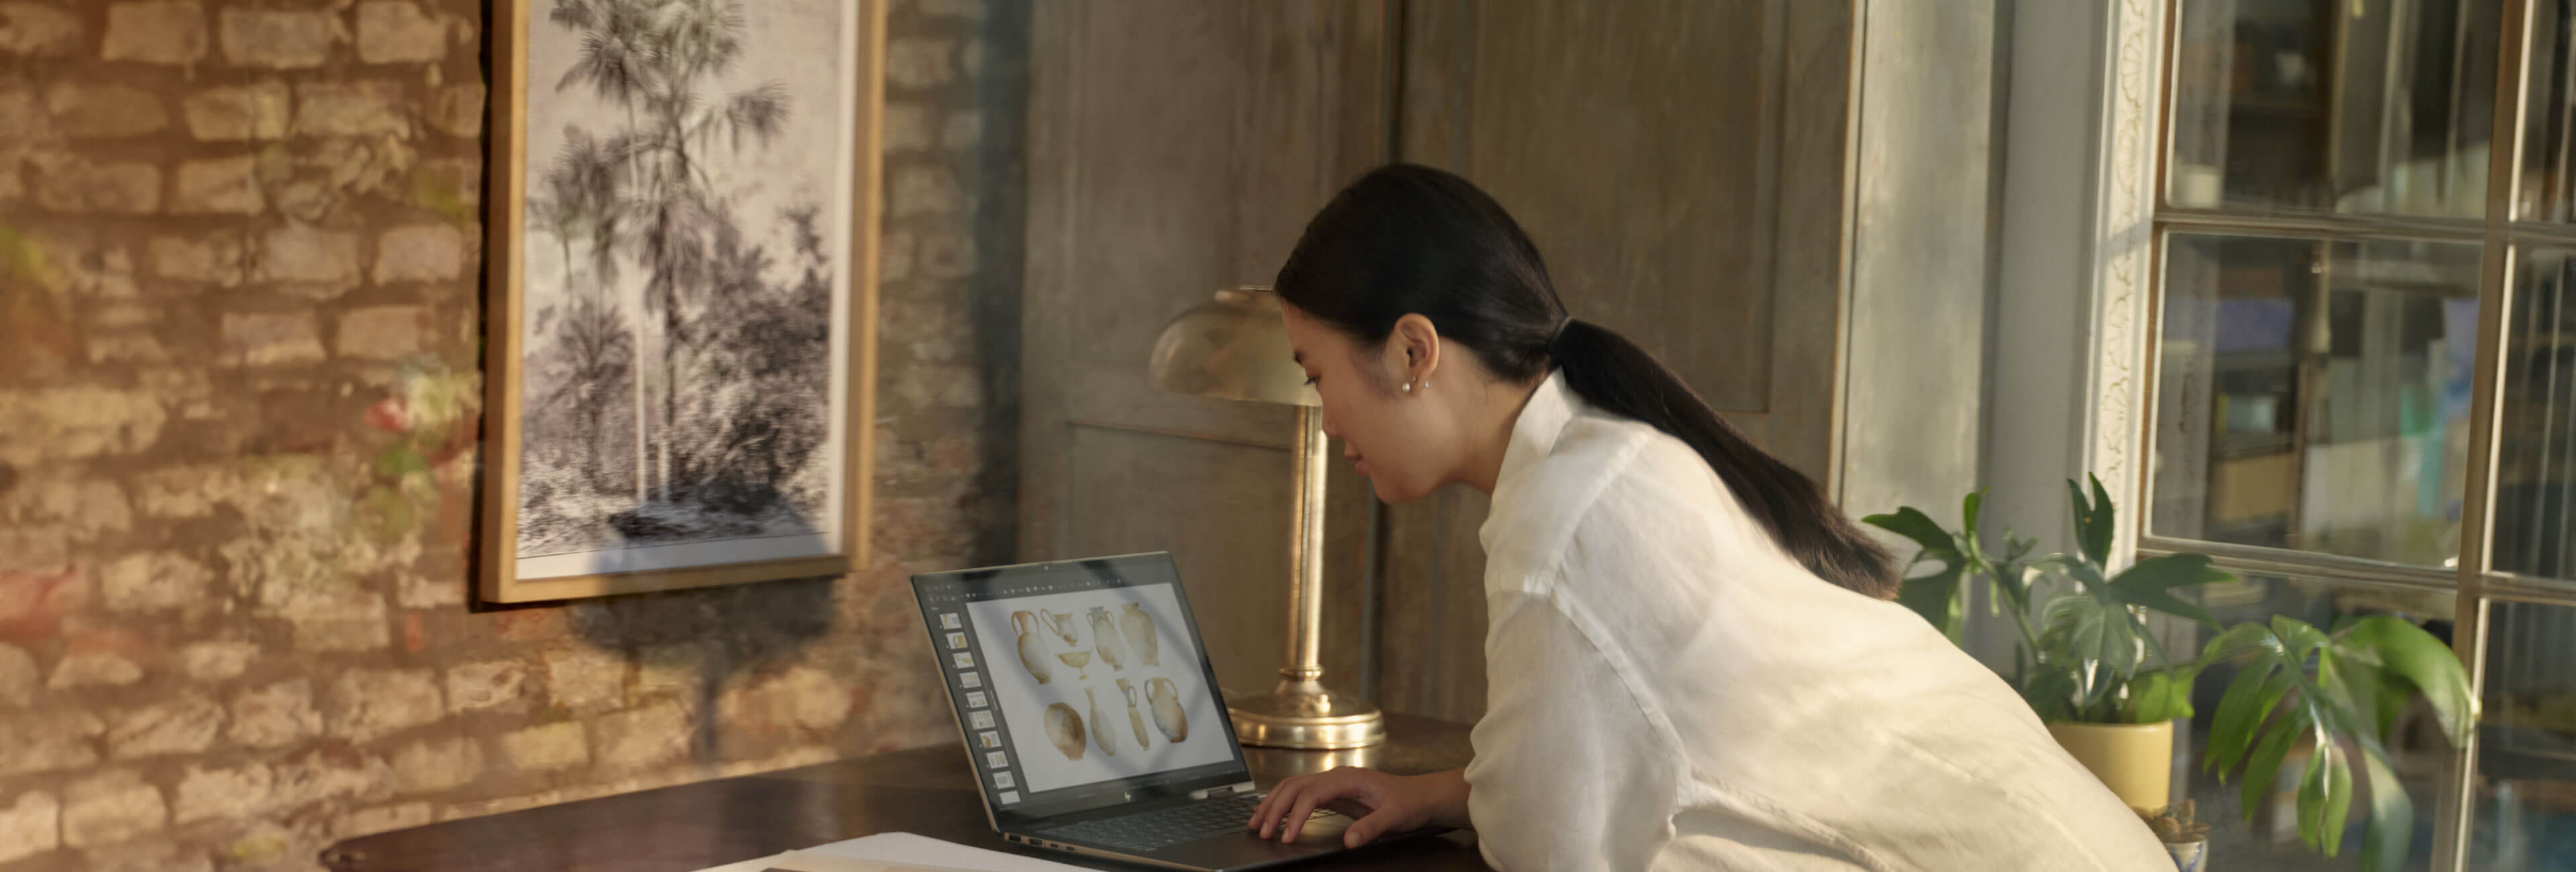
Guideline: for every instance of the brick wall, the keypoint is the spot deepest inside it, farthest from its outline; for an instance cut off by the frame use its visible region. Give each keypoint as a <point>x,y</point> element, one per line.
<point>239,403</point>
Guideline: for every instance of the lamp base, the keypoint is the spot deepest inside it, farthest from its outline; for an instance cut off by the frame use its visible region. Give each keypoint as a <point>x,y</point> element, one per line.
<point>1304,714</point>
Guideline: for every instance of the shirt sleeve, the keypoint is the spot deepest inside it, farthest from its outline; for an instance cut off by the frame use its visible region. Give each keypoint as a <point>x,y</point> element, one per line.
<point>1569,772</point>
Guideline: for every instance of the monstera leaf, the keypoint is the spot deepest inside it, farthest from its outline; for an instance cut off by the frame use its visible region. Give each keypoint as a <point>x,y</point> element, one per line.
<point>2337,695</point>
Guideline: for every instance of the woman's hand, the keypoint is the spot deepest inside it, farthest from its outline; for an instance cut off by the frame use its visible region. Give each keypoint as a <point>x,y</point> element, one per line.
<point>1377,802</point>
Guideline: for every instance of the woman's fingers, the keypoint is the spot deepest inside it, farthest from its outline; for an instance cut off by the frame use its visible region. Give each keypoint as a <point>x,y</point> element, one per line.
<point>1300,807</point>
<point>1265,816</point>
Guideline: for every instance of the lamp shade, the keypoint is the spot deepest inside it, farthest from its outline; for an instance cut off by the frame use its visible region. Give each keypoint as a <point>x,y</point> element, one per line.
<point>1234,348</point>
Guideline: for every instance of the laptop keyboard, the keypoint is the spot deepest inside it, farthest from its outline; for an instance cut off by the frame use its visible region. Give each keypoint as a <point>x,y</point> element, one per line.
<point>1163,828</point>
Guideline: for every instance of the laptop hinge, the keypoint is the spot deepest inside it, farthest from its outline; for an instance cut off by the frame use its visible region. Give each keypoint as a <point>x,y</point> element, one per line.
<point>1227,790</point>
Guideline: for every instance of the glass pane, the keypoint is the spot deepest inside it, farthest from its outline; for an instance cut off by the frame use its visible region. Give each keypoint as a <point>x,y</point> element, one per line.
<point>2549,119</point>
<point>2524,817</point>
<point>2535,502</point>
<point>2270,840</point>
<point>2354,106</point>
<point>2313,395</point>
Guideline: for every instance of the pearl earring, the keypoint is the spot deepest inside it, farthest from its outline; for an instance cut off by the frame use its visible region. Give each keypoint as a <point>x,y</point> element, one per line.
<point>1408,387</point>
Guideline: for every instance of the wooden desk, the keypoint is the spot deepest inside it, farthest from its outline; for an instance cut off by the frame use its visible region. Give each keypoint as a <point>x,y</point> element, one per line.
<point>929,791</point>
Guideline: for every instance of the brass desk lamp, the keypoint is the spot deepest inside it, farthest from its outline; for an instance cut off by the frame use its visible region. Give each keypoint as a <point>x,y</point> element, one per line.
<point>1235,348</point>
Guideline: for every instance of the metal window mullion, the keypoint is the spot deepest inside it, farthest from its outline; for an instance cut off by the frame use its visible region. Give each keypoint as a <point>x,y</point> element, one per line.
<point>2495,296</point>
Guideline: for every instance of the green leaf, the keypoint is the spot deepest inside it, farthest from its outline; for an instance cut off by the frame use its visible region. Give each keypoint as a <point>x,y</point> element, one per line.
<point>2162,695</point>
<point>2150,582</point>
<point>1937,598</point>
<point>2392,817</point>
<point>2241,711</point>
<point>1968,512</point>
<point>2338,798</point>
<point>2093,520</point>
<point>2264,767</point>
<point>2423,661</point>
<point>1911,523</point>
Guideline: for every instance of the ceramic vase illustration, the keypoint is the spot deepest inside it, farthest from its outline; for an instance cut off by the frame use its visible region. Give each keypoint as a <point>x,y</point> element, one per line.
<point>1168,716</point>
<point>1100,731</point>
<point>1060,622</point>
<point>1135,718</point>
<point>1033,652</point>
<point>1138,627</point>
<point>1104,637</point>
<point>1064,728</point>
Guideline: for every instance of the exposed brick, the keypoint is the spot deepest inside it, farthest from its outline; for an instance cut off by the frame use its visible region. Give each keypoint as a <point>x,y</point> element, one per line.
<point>350,109</point>
<point>154,580</point>
<point>77,423</point>
<point>370,821</point>
<point>920,62</point>
<point>111,807</point>
<point>31,826</point>
<point>213,260</point>
<point>259,111</point>
<point>947,255</point>
<point>349,621</point>
<point>302,253</point>
<point>585,679</point>
<point>420,253</point>
<point>276,716</point>
<point>45,740</point>
<point>276,38</point>
<point>458,110</point>
<point>436,765</point>
<point>799,698</point>
<point>965,130</point>
<point>336,774</point>
<point>154,855</point>
<point>23,117</point>
<point>907,127</point>
<point>271,338</point>
<point>216,661</point>
<point>644,736</point>
<point>548,747</point>
<point>967,10</point>
<point>156,33</point>
<point>19,677</point>
<point>497,684</point>
<point>94,668</point>
<point>681,666</point>
<point>221,186</point>
<point>181,726</point>
<point>124,188</point>
<point>395,31</point>
<point>104,110</point>
<point>210,794</point>
<point>383,332</point>
<point>369,703</point>
<point>37,30</point>
<point>928,190</point>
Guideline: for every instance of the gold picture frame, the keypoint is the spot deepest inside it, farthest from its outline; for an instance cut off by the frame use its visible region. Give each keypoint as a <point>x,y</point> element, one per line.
<point>779,526</point>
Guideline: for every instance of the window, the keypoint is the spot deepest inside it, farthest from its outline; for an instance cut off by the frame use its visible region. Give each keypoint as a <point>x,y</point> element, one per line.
<point>2364,376</point>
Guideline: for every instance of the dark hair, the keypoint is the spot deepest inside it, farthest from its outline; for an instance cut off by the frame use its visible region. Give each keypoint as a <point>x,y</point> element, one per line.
<point>1408,239</point>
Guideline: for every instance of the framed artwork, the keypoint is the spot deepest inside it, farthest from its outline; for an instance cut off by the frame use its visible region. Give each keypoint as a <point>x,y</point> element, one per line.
<point>680,350</point>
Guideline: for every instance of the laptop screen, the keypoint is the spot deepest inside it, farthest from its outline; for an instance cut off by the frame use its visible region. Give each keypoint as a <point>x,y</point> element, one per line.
<point>1079,684</point>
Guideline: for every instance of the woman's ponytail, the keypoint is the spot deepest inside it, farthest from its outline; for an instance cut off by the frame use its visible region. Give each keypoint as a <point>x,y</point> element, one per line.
<point>1410,239</point>
<point>1612,373</point>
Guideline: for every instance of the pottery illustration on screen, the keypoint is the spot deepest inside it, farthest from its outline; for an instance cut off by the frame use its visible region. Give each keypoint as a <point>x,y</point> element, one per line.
<point>1079,655</point>
<point>1168,715</point>
<point>1064,729</point>
<point>1138,628</point>
<point>1135,719</point>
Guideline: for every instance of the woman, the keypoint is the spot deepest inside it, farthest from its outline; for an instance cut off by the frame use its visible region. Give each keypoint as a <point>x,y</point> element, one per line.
<point>1690,660</point>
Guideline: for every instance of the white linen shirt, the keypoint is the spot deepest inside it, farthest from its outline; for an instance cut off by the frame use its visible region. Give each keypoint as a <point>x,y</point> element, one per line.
<point>1668,689</point>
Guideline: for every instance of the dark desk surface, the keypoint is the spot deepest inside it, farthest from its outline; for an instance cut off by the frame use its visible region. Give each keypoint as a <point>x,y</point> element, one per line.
<point>929,791</point>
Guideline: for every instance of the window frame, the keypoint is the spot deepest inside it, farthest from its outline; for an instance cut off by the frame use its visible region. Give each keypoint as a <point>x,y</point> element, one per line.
<point>2502,237</point>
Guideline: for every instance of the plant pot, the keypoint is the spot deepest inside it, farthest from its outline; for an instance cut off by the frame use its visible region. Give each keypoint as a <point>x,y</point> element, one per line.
<point>2189,856</point>
<point>2134,760</point>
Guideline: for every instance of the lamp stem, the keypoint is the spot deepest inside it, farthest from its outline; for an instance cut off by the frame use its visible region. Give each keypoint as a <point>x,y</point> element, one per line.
<point>1306,553</point>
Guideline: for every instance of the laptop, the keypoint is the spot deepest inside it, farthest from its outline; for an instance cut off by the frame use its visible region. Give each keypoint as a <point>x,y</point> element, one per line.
<point>1091,716</point>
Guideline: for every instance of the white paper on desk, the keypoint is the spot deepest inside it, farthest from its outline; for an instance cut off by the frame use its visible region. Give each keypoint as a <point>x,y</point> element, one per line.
<point>907,849</point>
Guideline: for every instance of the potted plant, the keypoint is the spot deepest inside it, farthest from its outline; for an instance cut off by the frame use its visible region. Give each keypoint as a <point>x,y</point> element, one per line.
<point>2186,840</point>
<point>2110,692</point>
